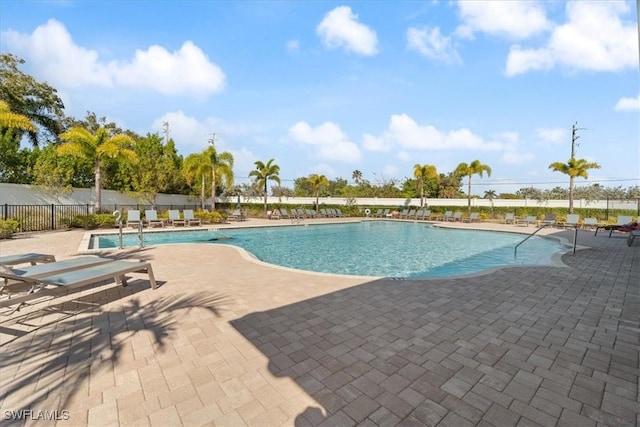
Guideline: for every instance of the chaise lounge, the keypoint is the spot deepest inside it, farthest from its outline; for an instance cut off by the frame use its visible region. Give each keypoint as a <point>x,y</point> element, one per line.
<point>53,284</point>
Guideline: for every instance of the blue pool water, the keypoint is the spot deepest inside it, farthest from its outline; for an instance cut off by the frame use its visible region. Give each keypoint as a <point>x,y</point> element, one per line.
<point>369,248</point>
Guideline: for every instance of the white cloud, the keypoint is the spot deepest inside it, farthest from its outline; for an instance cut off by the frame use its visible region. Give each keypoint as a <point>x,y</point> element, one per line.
<point>406,133</point>
<point>186,71</point>
<point>340,29</point>
<point>405,156</point>
<point>430,43</point>
<point>390,170</point>
<point>511,19</point>
<point>328,140</point>
<point>63,63</point>
<point>577,45</point>
<point>293,46</point>
<point>628,104</point>
<point>372,143</point>
<point>552,136</point>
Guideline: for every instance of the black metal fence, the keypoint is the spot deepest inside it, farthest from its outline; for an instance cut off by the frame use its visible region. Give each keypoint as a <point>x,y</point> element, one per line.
<point>55,217</point>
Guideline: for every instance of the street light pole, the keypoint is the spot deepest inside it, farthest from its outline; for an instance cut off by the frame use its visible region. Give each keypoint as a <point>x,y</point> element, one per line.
<point>212,142</point>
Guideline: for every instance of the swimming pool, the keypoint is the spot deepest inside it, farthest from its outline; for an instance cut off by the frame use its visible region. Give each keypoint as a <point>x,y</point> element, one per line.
<point>368,248</point>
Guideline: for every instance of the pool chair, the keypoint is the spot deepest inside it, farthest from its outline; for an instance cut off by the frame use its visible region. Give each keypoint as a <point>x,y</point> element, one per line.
<point>274,214</point>
<point>510,218</point>
<point>474,217</point>
<point>340,214</point>
<point>623,220</point>
<point>590,222</point>
<point>447,215</point>
<point>49,268</point>
<point>419,214</point>
<point>284,213</point>
<point>632,237</point>
<point>151,216</point>
<point>531,219</point>
<point>457,216</point>
<point>26,258</point>
<point>133,218</point>
<point>174,217</point>
<point>573,221</point>
<point>549,220</point>
<point>190,218</point>
<point>57,283</point>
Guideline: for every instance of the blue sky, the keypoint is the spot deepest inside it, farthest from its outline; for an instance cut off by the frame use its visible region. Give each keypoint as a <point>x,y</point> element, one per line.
<point>330,87</point>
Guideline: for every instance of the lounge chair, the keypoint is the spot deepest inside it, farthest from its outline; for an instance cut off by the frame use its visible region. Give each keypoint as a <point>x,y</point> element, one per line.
<point>531,219</point>
<point>174,217</point>
<point>474,217</point>
<point>274,214</point>
<point>48,269</point>
<point>284,213</point>
<point>151,216</point>
<point>190,218</point>
<point>573,221</point>
<point>28,258</point>
<point>340,214</point>
<point>632,237</point>
<point>133,218</point>
<point>378,213</point>
<point>419,214</point>
<point>51,285</point>
<point>447,215</point>
<point>457,216</point>
<point>549,219</point>
<point>622,221</point>
<point>590,222</point>
<point>510,218</point>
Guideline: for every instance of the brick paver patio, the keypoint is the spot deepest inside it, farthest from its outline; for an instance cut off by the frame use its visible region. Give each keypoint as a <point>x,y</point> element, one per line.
<point>229,341</point>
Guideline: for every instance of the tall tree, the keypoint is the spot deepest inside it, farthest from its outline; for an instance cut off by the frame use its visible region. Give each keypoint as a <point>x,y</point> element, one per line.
<point>490,195</point>
<point>15,162</point>
<point>317,182</point>
<point>468,170</point>
<point>209,163</point>
<point>28,97</point>
<point>574,168</point>
<point>422,173</point>
<point>263,173</point>
<point>96,147</point>
<point>357,176</point>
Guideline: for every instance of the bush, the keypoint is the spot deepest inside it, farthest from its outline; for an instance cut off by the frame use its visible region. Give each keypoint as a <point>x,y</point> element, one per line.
<point>8,227</point>
<point>92,221</point>
<point>210,217</point>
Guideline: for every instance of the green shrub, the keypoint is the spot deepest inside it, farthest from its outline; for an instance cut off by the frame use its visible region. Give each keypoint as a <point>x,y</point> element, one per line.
<point>210,217</point>
<point>8,227</point>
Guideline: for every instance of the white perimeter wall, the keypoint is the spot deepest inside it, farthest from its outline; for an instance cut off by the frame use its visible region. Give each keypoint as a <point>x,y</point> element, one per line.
<point>20,194</point>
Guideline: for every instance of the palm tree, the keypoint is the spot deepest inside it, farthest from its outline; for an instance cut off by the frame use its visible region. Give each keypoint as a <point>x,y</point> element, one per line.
<point>422,173</point>
<point>574,168</point>
<point>10,120</point>
<point>96,147</point>
<point>263,173</point>
<point>317,182</point>
<point>490,194</point>
<point>209,163</point>
<point>357,176</point>
<point>474,168</point>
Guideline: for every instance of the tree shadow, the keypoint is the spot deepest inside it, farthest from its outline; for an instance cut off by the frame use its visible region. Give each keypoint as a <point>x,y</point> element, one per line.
<point>74,345</point>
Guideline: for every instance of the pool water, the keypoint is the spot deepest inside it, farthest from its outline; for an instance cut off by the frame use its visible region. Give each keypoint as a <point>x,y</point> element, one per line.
<point>369,248</point>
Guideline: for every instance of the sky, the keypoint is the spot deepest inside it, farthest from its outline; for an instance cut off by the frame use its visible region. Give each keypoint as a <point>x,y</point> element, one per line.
<point>333,87</point>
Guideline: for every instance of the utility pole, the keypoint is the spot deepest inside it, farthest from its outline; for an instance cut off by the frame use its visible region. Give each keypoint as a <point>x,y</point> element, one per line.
<point>166,132</point>
<point>212,142</point>
<point>574,139</point>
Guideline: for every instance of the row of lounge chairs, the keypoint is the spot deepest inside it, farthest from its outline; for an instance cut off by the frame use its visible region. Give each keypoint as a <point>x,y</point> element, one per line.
<point>425,214</point>
<point>44,276</point>
<point>300,213</point>
<point>151,218</point>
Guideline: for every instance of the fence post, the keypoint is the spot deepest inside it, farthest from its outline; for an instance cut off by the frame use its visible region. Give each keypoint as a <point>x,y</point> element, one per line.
<point>5,214</point>
<point>53,217</point>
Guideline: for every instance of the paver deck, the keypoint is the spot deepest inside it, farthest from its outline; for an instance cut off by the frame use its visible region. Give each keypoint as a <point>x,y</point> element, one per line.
<point>229,341</point>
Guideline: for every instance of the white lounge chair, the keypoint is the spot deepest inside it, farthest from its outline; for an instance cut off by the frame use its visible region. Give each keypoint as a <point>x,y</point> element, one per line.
<point>151,216</point>
<point>457,216</point>
<point>474,217</point>
<point>26,258</point>
<point>133,218</point>
<point>51,285</point>
<point>531,219</point>
<point>549,219</point>
<point>573,221</point>
<point>590,222</point>
<point>447,215</point>
<point>174,217</point>
<point>510,218</point>
<point>190,218</point>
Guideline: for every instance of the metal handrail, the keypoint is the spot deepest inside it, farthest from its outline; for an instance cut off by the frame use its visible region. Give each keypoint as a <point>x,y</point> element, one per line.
<point>515,250</point>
